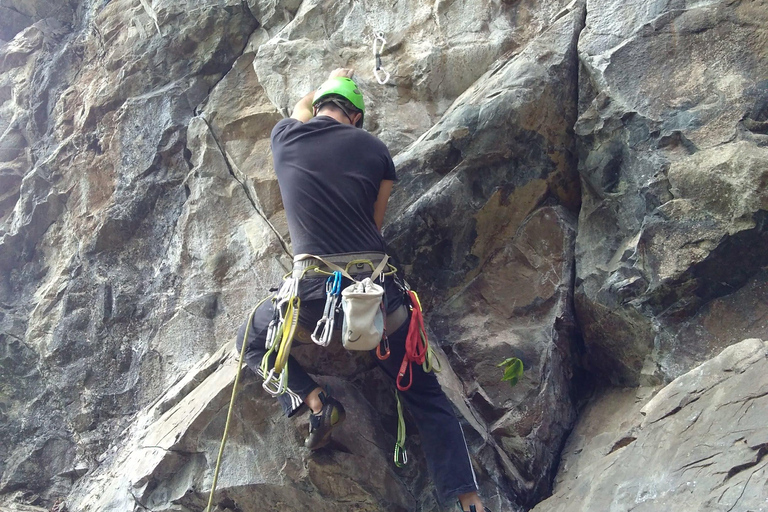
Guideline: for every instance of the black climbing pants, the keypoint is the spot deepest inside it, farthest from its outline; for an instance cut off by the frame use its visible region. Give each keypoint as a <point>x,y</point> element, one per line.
<point>441,435</point>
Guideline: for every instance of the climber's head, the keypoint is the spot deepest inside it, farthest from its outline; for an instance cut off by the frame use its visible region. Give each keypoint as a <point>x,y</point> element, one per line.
<point>341,93</point>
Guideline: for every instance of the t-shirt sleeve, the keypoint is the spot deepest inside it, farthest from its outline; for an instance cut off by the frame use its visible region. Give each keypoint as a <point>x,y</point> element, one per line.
<point>389,165</point>
<point>390,173</point>
<point>282,128</point>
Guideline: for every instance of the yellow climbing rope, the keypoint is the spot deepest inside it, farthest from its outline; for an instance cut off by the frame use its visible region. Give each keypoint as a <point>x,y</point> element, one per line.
<point>231,406</point>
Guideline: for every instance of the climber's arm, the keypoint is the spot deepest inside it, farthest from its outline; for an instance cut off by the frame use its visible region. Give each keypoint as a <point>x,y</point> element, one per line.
<point>303,109</point>
<point>380,206</point>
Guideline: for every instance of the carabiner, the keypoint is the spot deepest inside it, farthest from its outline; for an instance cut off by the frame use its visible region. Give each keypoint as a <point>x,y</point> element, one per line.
<point>276,385</point>
<point>377,56</point>
<point>401,456</point>
<point>271,334</point>
<point>383,343</point>
<point>318,338</point>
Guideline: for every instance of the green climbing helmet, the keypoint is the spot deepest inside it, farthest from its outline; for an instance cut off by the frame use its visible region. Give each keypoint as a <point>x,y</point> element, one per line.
<point>344,87</point>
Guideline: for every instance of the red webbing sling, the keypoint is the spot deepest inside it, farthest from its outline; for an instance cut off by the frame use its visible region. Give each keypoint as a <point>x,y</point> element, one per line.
<point>416,344</point>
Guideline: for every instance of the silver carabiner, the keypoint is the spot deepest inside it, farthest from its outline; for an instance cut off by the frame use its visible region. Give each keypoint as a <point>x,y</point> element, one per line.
<point>271,334</point>
<point>321,326</point>
<point>401,456</point>
<point>331,320</point>
<point>377,69</point>
<point>279,382</point>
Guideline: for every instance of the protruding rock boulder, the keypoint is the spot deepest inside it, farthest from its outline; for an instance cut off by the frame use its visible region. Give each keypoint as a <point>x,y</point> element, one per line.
<point>699,444</point>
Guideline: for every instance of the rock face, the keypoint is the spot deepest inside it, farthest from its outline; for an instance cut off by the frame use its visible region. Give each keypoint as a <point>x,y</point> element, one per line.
<point>673,162</point>
<point>582,185</point>
<point>651,457</point>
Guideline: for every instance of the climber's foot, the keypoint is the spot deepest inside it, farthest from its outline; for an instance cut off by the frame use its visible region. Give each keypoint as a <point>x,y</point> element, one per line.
<point>321,424</point>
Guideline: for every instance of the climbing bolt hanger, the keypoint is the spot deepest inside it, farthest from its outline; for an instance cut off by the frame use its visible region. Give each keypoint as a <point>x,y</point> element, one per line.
<point>381,74</point>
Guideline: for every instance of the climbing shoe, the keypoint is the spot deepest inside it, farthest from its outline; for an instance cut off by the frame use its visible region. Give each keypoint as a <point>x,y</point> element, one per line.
<point>321,424</point>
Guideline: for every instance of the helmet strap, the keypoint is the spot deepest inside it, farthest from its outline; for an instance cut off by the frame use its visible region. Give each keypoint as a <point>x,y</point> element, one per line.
<point>339,105</point>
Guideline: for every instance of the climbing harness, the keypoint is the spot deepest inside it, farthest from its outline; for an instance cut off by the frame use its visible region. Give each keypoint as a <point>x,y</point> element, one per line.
<point>364,318</point>
<point>286,305</point>
<point>401,456</point>
<point>231,406</point>
<point>368,313</point>
<point>417,349</point>
<point>325,324</point>
<point>381,74</point>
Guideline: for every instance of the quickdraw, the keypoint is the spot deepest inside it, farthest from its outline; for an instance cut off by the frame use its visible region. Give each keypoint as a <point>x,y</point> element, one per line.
<point>286,305</point>
<point>401,456</point>
<point>379,41</point>
<point>324,329</point>
<point>417,348</point>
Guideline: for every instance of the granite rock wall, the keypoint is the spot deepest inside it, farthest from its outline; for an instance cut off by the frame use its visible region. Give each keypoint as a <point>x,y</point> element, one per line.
<point>581,185</point>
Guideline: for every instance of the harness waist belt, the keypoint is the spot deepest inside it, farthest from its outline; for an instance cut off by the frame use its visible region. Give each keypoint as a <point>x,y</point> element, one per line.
<point>343,260</point>
<point>394,321</point>
<point>396,318</point>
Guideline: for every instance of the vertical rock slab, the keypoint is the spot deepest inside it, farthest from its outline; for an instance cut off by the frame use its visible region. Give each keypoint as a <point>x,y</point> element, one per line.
<point>672,138</point>
<point>699,444</point>
<point>427,44</point>
<point>28,207</point>
<point>519,305</point>
<point>241,118</point>
<point>488,242</point>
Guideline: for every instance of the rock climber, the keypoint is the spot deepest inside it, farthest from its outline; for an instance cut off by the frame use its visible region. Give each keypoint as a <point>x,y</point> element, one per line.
<point>335,180</point>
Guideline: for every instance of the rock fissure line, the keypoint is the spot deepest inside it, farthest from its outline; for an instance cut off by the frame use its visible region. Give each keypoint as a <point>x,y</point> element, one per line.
<point>137,500</point>
<point>243,184</point>
<point>697,462</point>
<point>168,450</point>
<point>761,452</point>
<point>692,423</point>
<point>744,487</point>
<point>200,107</point>
<point>743,401</point>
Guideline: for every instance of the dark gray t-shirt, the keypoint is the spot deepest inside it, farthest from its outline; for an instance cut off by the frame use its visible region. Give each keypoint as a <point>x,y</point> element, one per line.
<point>329,175</point>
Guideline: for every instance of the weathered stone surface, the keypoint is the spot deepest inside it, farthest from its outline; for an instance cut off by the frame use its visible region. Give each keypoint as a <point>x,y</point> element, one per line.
<point>699,444</point>
<point>426,44</point>
<point>109,250</point>
<point>672,160</point>
<point>16,15</point>
<point>518,306</point>
<point>503,149</point>
<point>140,221</point>
<point>501,280</point>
